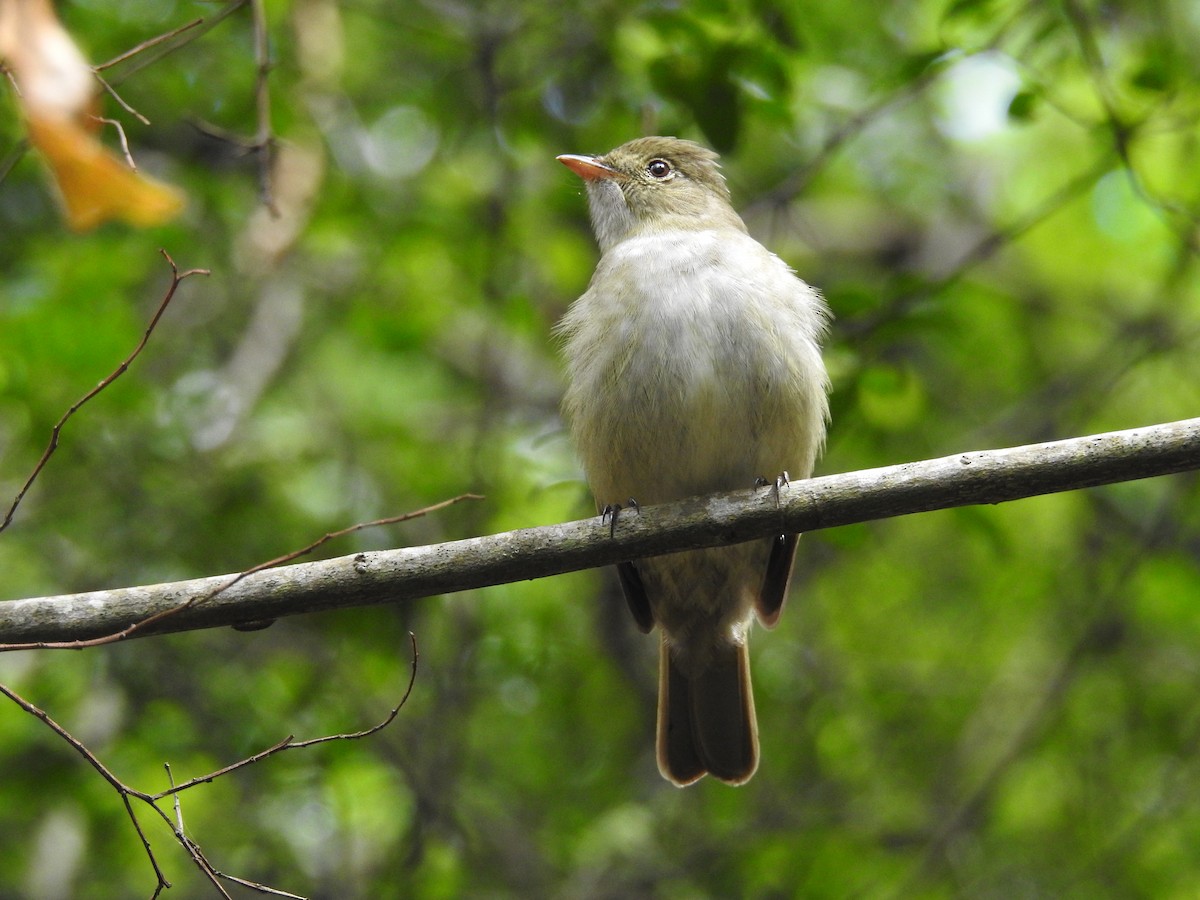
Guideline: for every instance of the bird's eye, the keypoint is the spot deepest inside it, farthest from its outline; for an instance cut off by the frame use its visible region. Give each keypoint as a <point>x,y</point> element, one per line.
<point>659,168</point>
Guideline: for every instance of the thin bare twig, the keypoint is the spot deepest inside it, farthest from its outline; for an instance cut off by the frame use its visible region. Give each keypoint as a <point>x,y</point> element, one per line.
<point>74,742</point>
<point>129,54</point>
<point>146,45</point>
<point>120,137</point>
<point>163,882</point>
<point>12,79</point>
<point>177,278</point>
<point>143,47</point>
<point>256,886</point>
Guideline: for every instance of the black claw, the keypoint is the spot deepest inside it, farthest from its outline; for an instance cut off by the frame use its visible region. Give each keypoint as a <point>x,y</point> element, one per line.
<point>609,514</point>
<point>781,481</point>
<point>633,504</point>
<point>761,482</point>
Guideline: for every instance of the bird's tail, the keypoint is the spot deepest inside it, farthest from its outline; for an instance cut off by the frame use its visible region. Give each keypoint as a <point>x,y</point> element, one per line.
<point>706,721</point>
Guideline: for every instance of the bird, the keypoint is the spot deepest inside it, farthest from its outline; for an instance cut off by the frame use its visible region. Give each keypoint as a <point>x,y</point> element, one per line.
<point>693,365</point>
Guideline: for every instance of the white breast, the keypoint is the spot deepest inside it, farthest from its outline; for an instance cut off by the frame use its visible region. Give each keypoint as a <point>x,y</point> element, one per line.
<point>694,366</point>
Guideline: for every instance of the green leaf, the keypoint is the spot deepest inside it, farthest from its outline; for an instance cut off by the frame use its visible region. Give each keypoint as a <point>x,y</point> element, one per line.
<point>1023,106</point>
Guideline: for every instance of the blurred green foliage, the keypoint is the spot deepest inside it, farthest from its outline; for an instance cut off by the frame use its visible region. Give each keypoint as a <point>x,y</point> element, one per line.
<point>999,200</point>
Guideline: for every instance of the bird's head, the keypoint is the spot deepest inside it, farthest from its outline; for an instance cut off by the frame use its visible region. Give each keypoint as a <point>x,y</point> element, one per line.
<point>654,184</point>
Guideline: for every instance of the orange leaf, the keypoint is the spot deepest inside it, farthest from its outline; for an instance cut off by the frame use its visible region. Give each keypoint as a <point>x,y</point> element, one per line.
<point>94,184</point>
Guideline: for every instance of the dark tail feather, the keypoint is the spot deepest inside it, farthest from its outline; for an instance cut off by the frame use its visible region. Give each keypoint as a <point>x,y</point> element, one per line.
<point>706,723</point>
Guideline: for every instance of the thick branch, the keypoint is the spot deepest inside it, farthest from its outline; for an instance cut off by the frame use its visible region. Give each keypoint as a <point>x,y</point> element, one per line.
<point>991,476</point>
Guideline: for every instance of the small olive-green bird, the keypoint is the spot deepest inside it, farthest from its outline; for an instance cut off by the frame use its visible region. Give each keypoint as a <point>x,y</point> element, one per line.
<point>694,366</point>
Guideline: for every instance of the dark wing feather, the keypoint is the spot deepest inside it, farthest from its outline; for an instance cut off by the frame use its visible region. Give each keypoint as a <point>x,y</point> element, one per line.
<point>635,596</point>
<point>777,579</point>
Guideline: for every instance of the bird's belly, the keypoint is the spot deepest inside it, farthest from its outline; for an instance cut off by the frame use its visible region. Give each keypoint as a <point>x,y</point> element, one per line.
<point>694,414</point>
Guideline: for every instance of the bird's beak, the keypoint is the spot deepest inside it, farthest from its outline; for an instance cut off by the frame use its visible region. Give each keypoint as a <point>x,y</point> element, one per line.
<point>589,168</point>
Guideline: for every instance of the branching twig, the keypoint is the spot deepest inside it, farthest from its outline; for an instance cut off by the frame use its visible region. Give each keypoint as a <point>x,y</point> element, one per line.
<point>129,54</point>
<point>262,145</point>
<point>139,58</point>
<point>176,278</point>
<point>290,743</point>
<point>142,48</point>
<point>129,794</point>
<point>78,746</point>
<point>112,92</point>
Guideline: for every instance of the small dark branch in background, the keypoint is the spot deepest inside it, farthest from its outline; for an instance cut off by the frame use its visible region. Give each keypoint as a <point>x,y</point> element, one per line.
<point>983,250</point>
<point>795,184</point>
<point>14,156</point>
<point>1181,220</point>
<point>912,89</point>
<point>176,278</point>
<point>262,145</point>
<point>264,139</point>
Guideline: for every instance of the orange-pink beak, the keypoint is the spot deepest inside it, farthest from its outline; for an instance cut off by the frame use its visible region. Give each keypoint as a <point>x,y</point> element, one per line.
<point>589,168</point>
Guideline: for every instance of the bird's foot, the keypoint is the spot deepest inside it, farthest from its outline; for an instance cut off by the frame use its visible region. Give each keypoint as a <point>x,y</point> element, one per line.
<point>781,481</point>
<point>612,512</point>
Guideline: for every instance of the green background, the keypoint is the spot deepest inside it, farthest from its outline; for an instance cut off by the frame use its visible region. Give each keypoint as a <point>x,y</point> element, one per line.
<point>1000,202</point>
